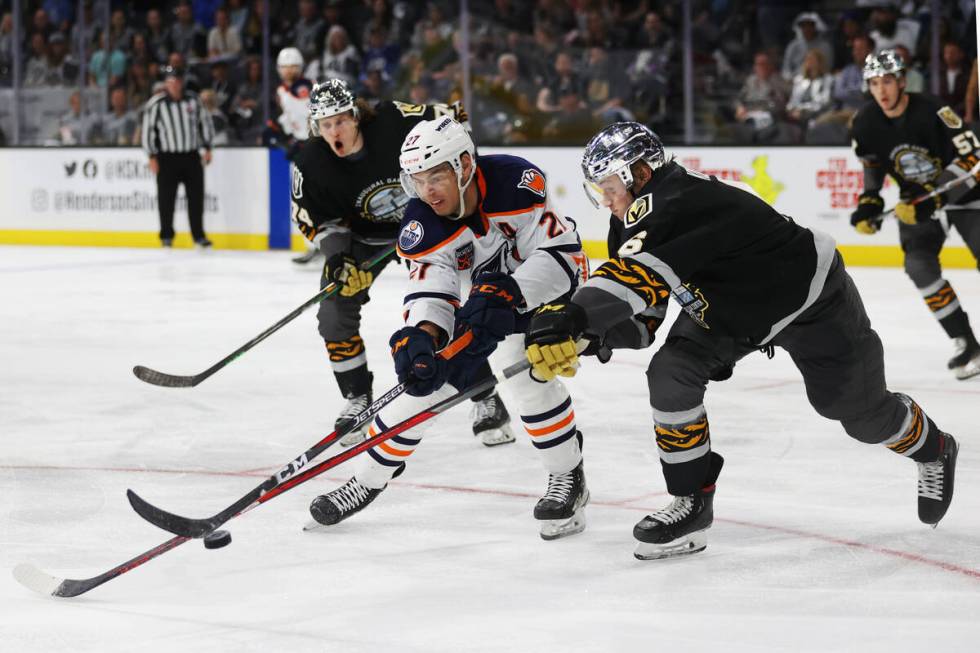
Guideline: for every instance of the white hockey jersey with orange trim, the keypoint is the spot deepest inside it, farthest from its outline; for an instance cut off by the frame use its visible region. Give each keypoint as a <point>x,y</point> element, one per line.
<point>514,230</point>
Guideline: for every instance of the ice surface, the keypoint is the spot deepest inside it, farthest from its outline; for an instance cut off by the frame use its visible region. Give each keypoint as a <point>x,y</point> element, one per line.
<point>815,547</point>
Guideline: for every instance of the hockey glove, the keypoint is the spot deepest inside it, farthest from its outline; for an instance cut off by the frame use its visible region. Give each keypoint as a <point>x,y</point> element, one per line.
<point>489,312</point>
<point>910,213</point>
<point>550,340</point>
<point>416,363</point>
<point>341,268</point>
<point>867,217</point>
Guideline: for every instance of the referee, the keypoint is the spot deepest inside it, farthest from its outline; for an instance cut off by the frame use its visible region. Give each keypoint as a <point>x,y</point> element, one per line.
<point>177,134</point>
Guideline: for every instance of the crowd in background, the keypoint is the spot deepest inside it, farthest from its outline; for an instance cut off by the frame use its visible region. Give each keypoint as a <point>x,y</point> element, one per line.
<point>543,71</point>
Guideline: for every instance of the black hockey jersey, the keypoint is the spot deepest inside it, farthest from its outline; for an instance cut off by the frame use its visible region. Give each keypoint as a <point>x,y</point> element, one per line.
<point>735,265</point>
<point>917,147</point>
<point>361,191</point>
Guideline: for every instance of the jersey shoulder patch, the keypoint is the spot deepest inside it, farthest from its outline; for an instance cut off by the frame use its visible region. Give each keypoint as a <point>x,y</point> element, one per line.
<point>949,117</point>
<point>639,209</point>
<point>422,231</point>
<point>533,180</point>
<point>407,109</point>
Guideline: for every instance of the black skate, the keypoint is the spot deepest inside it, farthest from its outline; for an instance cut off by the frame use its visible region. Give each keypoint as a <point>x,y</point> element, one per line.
<point>965,362</point>
<point>562,508</point>
<point>356,404</point>
<point>305,259</point>
<point>678,529</point>
<point>336,506</point>
<point>491,422</point>
<point>936,483</point>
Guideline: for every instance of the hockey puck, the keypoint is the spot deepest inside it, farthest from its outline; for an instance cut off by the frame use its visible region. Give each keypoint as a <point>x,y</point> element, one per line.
<point>217,539</point>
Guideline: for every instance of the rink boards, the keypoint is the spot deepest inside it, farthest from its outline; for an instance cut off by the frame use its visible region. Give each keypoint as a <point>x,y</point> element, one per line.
<point>107,196</point>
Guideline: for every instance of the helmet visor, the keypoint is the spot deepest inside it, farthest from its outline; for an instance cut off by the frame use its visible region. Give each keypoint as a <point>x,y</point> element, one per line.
<point>604,193</point>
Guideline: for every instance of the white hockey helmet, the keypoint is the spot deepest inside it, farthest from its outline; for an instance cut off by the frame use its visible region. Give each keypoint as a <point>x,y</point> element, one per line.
<point>432,143</point>
<point>613,150</point>
<point>289,57</point>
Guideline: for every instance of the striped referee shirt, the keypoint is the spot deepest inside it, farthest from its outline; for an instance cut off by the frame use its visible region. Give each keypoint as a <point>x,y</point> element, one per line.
<point>172,126</point>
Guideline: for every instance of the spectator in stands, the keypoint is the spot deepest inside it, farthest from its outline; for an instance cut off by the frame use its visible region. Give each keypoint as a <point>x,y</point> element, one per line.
<point>157,36</point>
<point>377,48</point>
<point>760,104</point>
<point>572,123</point>
<point>238,13</point>
<point>177,62</point>
<point>187,36</point>
<point>374,83</point>
<point>138,50</point>
<point>810,95</point>
<point>119,32</point>
<point>953,77</point>
<point>118,125</point>
<point>61,13</point>
<point>606,88</point>
<point>654,35</point>
<point>595,32</point>
<point>809,30</point>
<point>74,127</point>
<point>563,77</point>
<point>308,32</point>
<point>435,20</point>
<point>220,121</point>
<point>82,40</point>
<point>139,84</point>
<point>224,89</point>
<point>419,93</point>
<point>223,39</point>
<point>339,59</point>
<point>35,70</point>
<point>40,24</point>
<point>247,105</point>
<point>60,68</point>
<point>915,81</point>
<point>107,66</point>
<point>889,30</point>
<point>970,110</point>
<point>849,27</point>
<point>830,128</point>
<point>6,47</point>
<point>544,48</point>
<point>558,15</point>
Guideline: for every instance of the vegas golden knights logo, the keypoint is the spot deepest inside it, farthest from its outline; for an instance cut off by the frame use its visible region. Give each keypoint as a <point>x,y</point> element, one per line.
<point>950,118</point>
<point>407,109</point>
<point>638,210</point>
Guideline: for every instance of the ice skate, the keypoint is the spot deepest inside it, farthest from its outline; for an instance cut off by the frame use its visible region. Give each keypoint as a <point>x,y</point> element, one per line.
<point>936,483</point>
<point>678,529</point>
<point>356,404</point>
<point>562,508</point>
<point>337,505</point>
<point>965,362</point>
<point>491,422</point>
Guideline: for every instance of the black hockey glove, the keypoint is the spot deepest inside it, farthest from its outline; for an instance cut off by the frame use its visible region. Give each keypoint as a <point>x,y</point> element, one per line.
<point>867,217</point>
<point>910,213</point>
<point>416,363</point>
<point>550,340</point>
<point>489,312</point>
<point>341,268</point>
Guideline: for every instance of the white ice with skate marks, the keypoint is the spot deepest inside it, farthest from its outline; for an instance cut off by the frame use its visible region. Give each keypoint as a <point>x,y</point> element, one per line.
<point>815,545</point>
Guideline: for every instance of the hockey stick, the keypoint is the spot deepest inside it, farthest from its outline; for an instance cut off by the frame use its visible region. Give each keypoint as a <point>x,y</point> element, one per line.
<point>43,583</point>
<point>185,527</point>
<point>163,379</point>
<point>952,183</point>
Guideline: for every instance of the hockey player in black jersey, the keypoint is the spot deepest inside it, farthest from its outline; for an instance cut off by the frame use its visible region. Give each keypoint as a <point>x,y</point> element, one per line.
<point>921,144</point>
<point>347,199</point>
<point>746,278</point>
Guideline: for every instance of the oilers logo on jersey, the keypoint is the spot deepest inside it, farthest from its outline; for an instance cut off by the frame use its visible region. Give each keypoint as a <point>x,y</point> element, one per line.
<point>411,235</point>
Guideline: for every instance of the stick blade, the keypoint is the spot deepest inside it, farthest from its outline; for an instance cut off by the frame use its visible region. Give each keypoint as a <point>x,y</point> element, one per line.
<point>37,581</point>
<point>168,521</point>
<point>162,379</point>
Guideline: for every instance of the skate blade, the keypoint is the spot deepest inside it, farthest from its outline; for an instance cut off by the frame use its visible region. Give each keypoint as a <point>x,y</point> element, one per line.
<point>313,526</point>
<point>494,437</point>
<point>683,546</point>
<point>555,529</point>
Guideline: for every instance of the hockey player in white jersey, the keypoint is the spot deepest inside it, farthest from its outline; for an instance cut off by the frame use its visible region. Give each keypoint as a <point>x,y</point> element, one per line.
<point>483,222</point>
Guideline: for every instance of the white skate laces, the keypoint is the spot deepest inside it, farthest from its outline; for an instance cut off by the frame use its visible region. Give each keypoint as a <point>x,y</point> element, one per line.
<point>559,487</point>
<point>486,409</point>
<point>931,480</point>
<point>677,510</point>
<point>348,496</point>
<point>355,406</point>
